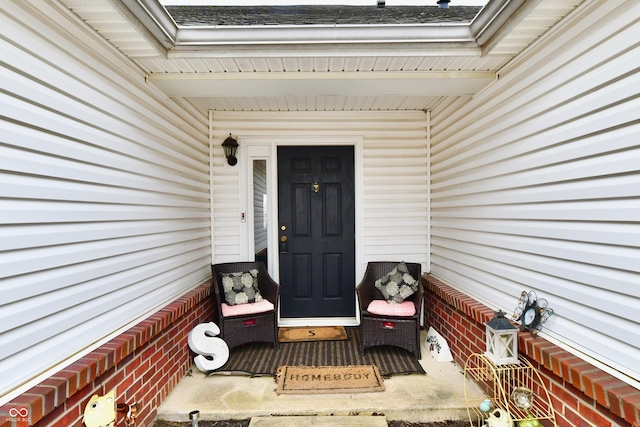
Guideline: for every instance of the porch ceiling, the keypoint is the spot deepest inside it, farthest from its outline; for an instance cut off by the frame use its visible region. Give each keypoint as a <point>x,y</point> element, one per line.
<point>389,66</point>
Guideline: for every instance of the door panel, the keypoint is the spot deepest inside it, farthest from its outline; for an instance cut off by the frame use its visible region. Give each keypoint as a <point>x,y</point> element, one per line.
<point>301,280</point>
<point>317,219</point>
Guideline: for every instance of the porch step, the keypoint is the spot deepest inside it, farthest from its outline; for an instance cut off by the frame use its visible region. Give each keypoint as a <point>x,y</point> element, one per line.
<point>319,421</point>
<point>439,395</point>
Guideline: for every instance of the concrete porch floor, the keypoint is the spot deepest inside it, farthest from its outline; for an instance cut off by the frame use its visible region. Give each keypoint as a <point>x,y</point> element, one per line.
<point>437,396</point>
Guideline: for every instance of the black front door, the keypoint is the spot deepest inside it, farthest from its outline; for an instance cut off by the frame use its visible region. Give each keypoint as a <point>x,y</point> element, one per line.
<point>316,220</point>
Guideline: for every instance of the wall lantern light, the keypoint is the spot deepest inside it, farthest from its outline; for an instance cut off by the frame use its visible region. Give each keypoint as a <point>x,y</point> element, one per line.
<point>502,340</point>
<point>230,146</point>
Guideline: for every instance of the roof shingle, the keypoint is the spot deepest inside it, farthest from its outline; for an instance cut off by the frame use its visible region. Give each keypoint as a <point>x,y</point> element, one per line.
<point>186,16</point>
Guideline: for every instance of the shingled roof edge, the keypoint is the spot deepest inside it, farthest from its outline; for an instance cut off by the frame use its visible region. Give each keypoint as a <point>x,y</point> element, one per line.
<point>305,15</point>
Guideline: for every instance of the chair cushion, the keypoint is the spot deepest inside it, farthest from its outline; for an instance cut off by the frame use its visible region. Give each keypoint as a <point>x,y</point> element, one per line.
<point>241,287</point>
<point>250,308</point>
<point>383,308</point>
<point>398,284</point>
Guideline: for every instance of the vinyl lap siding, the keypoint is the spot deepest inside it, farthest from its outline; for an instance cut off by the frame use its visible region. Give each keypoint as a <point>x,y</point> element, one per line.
<point>536,185</point>
<point>104,193</point>
<point>395,200</point>
<point>394,175</point>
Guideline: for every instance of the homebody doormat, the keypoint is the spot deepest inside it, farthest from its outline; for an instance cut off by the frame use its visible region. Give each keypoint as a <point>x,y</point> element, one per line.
<point>309,333</point>
<point>328,379</point>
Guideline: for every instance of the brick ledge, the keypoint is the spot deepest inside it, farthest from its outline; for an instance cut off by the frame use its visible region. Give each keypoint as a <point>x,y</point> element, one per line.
<point>42,399</point>
<point>597,385</point>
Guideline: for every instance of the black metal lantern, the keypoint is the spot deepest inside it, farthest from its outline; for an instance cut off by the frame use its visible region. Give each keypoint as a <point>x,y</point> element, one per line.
<point>230,146</point>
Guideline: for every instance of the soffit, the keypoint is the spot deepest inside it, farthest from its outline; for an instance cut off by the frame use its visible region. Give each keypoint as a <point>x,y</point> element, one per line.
<point>349,67</point>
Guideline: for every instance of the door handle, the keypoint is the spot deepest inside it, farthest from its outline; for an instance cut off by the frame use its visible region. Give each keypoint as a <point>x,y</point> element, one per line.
<point>284,247</point>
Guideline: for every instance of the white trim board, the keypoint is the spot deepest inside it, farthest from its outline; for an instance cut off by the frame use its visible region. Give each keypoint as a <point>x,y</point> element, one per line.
<point>266,148</point>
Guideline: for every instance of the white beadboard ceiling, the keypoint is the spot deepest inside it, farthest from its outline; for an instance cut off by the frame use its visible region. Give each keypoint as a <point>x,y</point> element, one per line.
<point>299,68</point>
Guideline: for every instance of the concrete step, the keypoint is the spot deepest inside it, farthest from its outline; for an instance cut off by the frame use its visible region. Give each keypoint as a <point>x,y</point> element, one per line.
<point>319,421</point>
<point>439,395</point>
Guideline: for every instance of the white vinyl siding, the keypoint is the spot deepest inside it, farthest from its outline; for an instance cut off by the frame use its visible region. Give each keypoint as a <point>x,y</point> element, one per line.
<point>104,192</point>
<point>536,184</point>
<point>394,168</point>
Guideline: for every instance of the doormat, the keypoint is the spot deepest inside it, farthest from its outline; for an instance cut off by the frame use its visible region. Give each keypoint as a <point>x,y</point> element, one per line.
<point>320,333</point>
<point>328,379</point>
<point>260,358</point>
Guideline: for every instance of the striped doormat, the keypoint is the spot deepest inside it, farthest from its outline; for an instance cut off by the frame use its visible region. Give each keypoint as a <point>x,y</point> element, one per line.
<point>261,359</point>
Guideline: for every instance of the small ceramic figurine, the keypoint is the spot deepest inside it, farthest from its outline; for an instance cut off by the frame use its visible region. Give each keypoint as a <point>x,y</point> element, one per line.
<point>100,411</point>
<point>499,418</point>
<point>485,406</point>
<point>129,411</point>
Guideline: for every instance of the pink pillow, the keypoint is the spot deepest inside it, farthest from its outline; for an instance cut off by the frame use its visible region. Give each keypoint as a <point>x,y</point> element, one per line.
<point>250,308</point>
<point>383,308</point>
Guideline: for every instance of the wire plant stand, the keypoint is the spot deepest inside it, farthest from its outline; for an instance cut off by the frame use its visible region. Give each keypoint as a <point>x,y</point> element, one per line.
<point>530,400</point>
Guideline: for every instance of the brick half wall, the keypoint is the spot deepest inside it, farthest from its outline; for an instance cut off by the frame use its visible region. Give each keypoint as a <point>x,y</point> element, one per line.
<point>582,394</point>
<point>142,364</point>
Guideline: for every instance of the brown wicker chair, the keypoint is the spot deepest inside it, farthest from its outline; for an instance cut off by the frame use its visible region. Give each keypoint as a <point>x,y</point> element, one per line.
<point>378,330</point>
<point>257,327</point>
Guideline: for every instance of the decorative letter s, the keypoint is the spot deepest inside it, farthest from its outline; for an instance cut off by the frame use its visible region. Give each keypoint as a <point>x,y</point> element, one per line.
<point>213,352</point>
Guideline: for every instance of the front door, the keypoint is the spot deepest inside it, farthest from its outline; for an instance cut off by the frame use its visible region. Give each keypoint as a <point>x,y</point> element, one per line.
<point>316,220</point>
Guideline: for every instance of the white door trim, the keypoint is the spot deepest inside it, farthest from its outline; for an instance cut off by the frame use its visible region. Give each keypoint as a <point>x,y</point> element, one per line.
<point>255,147</point>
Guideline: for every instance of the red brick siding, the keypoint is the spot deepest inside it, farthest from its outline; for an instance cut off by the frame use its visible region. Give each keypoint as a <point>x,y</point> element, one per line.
<point>143,364</point>
<point>582,394</point>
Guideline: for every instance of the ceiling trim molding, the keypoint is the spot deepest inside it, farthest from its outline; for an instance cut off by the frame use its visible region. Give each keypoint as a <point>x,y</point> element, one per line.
<point>283,84</point>
<point>355,50</point>
<point>313,75</point>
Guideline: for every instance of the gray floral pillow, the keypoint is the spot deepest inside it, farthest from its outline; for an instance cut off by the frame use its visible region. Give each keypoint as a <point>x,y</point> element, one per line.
<point>397,285</point>
<point>241,288</point>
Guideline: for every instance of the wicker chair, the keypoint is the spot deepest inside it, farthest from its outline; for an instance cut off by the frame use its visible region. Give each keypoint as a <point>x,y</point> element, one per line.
<point>399,331</point>
<point>256,327</point>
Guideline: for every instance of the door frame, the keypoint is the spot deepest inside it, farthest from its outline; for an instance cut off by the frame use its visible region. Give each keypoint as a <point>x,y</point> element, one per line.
<point>266,148</point>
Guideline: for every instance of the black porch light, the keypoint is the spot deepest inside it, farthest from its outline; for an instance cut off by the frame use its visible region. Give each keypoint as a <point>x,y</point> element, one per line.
<point>230,146</point>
